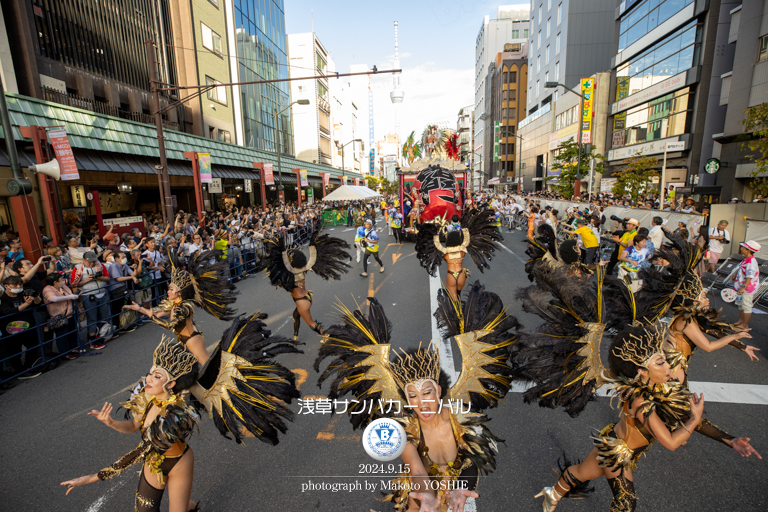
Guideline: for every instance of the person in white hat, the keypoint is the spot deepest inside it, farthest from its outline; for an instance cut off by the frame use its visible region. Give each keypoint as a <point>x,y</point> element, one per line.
<point>745,282</point>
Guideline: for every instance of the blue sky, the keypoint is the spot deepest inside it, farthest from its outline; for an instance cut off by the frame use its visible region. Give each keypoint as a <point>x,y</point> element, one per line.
<point>437,51</point>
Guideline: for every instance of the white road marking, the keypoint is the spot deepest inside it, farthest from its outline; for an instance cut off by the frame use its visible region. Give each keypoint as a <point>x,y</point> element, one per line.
<point>96,505</point>
<point>722,392</point>
<point>513,254</point>
<point>350,229</point>
<point>446,353</point>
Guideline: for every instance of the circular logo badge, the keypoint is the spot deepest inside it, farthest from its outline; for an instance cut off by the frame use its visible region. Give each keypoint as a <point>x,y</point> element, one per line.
<point>384,439</point>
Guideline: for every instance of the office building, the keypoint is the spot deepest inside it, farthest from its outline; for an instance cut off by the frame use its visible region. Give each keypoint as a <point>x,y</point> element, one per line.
<point>661,85</point>
<point>505,105</point>
<point>558,121</point>
<point>509,26</point>
<point>465,127</point>
<point>568,41</point>
<point>740,72</point>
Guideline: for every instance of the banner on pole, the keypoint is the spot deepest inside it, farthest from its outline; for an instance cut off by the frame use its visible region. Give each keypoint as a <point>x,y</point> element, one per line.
<point>622,91</point>
<point>204,163</point>
<point>269,179</point>
<point>587,94</point>
<point>357,182</point>
<point>303,178</point>
<point>64,155</point>
<point>343,180</point>
<point>326,178</point>
<point>247,186</point>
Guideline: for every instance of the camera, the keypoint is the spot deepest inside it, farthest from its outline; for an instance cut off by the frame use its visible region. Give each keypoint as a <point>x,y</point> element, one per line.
<point>617,219</point>
<point>97,274</point>
<point>47,258</point>
<point>29,293</point>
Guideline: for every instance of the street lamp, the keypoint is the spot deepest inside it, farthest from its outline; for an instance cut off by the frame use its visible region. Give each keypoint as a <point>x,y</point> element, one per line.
<point>551,85</point>
<point>280,186</point>
<point>343,169</point>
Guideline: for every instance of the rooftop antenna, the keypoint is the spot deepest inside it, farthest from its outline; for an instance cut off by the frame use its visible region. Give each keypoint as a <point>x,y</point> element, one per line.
<point>397,94</point>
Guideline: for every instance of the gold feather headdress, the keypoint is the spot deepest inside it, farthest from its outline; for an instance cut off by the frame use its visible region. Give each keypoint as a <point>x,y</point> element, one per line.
<point>640,349</point>
<point>421,365</point>
<point>171,356</point>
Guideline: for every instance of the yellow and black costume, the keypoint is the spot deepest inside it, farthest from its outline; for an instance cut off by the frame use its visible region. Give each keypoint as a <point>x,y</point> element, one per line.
<point>201,283</point>
<point>168,433</point>
<point>437,240</point>
<point>287,267</point>
<point>360,365</point>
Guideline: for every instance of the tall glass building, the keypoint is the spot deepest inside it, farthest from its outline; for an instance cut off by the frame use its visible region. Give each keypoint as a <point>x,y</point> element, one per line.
<point>261,55</point>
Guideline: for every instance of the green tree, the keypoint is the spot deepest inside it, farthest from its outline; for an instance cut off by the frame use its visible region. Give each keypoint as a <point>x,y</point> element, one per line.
<point>383,185</point>
<point>757,123</point>
<point>635,177</point>
<point>566,161</point>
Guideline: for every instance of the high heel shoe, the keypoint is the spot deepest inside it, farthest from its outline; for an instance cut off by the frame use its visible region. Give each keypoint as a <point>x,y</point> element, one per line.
<point>551,498</point>
<point>318,328</point>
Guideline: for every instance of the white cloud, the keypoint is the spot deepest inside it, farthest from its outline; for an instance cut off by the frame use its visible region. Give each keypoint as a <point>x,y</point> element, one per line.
<point>432,95</point>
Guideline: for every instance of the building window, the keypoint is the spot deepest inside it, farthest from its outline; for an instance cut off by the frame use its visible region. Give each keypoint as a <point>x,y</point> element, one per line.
<point>320,63</point>
<point>538,41</point>
<point>547,56</point>
<point>512,77</point>
<point>211,40</point>
<point>549,23</point>
<point>667,58</point>
<point>218,94</point>
<point>537,88</point>
<point>645,17</point>
<point>212,132</point>
<point>763,55</point>
<point>224,136</point>
<point>515,34</point>
<point>549,5</point>
<point>538,63</point>
<point>540,12</point>
<point>322,91</point>
<point>559,13</point>
<point>513,95</point>
<point>557,44</point>
<point>557,71</point>
<point>215,2</point>
<point>525,33</point>
<point>546,77</point>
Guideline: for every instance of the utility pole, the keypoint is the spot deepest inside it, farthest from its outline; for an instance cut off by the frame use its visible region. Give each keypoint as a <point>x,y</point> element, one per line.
<point>162,174</point>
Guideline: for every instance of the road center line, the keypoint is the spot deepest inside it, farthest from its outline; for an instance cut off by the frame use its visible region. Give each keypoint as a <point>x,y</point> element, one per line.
<point>446,353</point>
<point>513,254</point>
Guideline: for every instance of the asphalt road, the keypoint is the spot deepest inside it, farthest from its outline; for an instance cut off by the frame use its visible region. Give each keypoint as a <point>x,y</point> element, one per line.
<point>46,436</point>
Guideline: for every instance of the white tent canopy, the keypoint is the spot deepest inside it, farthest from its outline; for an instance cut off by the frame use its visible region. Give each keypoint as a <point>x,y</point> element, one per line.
<point>351,193</point>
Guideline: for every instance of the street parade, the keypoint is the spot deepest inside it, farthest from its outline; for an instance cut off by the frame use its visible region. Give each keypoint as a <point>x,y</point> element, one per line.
<point>535,306</point>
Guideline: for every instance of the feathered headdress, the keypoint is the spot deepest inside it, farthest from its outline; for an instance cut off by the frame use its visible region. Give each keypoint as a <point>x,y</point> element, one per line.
<point>479,237</point>
<point>327,258</point>
<point>203,282</point>
<point>173,357</point>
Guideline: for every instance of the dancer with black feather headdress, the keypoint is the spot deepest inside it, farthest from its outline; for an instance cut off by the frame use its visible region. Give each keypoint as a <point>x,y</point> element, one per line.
<point>562,359</point>
<point>443,445</point>
<point>478,237</point>
<point>201,284</point>
<point>287,268</point>
<point>676,294</point>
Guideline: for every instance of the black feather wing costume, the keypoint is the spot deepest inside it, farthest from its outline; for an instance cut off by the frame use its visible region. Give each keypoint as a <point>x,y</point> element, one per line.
<point>480,238</point>
<point>359,348</point>
<point>328,258</point>
<point>544,246</point>
<point>481,327</point>
<point>242,387</point>
<point>562,357</point>
<point>202,281</point>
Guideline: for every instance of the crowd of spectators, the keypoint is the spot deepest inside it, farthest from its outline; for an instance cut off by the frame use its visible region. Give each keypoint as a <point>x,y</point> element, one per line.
<point>70,301</point>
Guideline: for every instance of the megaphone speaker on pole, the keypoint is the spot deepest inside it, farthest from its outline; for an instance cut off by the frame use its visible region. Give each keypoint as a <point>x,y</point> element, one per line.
<point>51,169</point>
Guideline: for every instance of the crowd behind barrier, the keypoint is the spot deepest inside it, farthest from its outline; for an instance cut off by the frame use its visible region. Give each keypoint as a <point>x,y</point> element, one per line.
<point>35,333</point>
